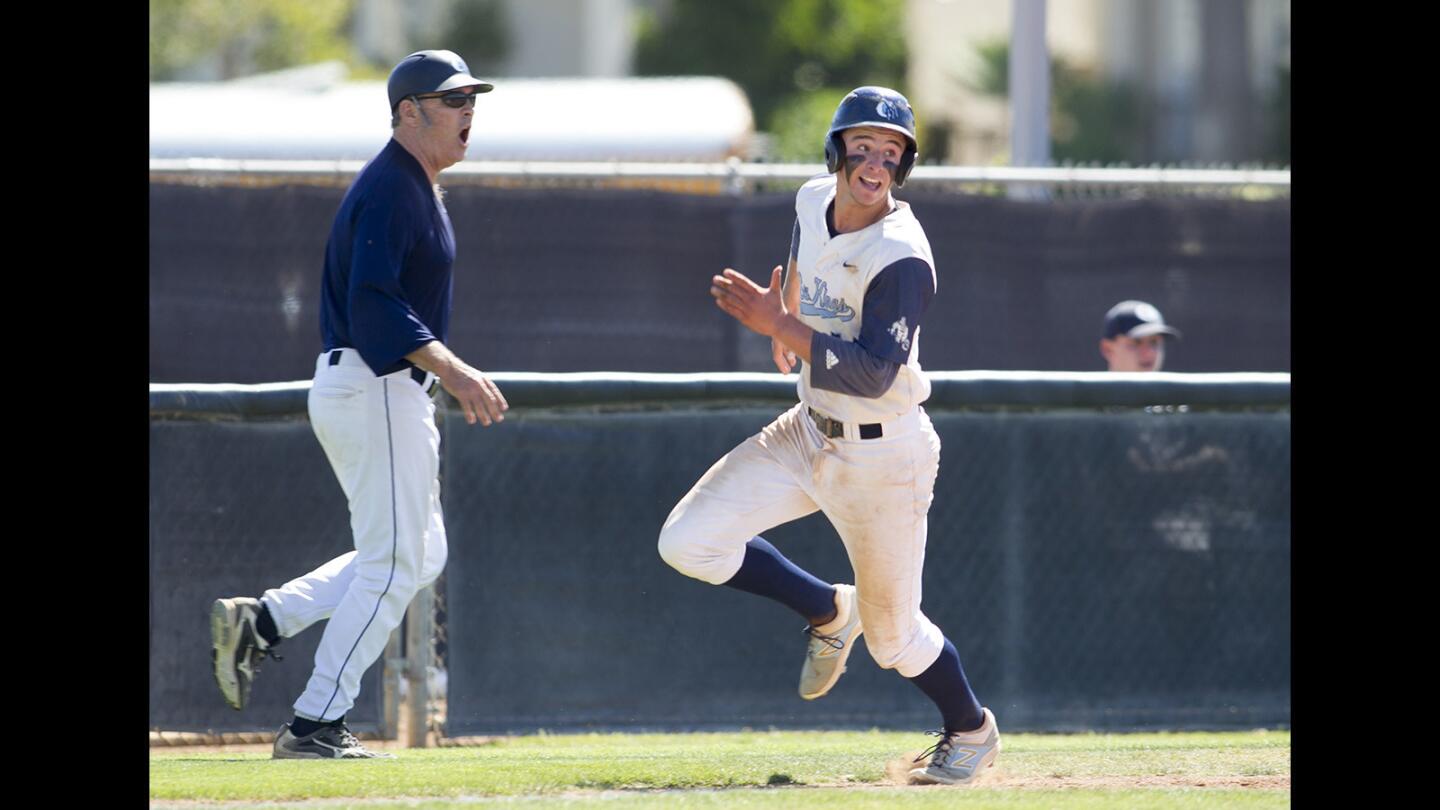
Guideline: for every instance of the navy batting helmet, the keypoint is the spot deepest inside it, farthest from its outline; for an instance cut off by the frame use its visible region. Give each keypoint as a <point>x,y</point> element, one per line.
<point>871,106</point>
<point>431,72</point>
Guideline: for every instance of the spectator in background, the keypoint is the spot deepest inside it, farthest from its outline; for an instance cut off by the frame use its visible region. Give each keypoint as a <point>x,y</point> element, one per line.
<point>1134,337</point>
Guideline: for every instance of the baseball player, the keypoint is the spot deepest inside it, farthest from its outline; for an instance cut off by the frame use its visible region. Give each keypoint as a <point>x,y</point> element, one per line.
<point>384,313</point>
<point>1133,337</point>
<point>857,446</point>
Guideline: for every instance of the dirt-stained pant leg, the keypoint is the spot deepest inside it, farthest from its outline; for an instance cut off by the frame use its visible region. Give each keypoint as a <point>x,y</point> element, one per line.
<point>877,493</point>
<point>760,484</point>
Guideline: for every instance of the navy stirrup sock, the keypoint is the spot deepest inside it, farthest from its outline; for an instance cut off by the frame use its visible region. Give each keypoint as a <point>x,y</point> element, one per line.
<point>300,726</point>
<point>767,572</point>
<point>265,624</point>
<point>944,682</point>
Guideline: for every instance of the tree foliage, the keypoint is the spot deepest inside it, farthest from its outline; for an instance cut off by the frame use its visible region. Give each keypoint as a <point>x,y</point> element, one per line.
<point>778,51</point>
<point>1091,120</point>
<point>246,36</point>
<point>480,31</point>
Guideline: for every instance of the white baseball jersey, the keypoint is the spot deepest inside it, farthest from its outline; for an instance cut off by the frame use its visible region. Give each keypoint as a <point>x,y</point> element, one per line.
<point>864,293</point>
<point>835,274</point>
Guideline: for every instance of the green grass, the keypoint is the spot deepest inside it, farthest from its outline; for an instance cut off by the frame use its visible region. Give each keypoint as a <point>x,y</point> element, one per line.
<point>760,769</point>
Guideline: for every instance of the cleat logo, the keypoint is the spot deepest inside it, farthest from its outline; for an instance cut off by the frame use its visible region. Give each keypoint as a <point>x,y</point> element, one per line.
<point>962,756</point>
<point>831,360</point>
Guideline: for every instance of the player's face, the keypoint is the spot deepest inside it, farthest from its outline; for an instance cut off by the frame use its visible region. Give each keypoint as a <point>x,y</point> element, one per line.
<point>1134,354</point>
<point>445,130</point>
<point>872,156</point>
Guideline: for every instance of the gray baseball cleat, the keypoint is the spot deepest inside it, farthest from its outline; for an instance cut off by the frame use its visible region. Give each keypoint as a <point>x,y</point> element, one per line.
<point>327,742</point>
<point>954,762</point>
<point>825,655</point>
<point>237,647</point>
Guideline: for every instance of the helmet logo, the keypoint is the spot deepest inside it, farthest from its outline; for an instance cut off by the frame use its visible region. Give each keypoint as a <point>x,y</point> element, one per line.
<point>885,110</point>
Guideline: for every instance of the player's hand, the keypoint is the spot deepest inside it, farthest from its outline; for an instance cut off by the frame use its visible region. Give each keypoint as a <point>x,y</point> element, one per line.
<point>760,309</point>
<point>783,357</point>
<point>478,396</point>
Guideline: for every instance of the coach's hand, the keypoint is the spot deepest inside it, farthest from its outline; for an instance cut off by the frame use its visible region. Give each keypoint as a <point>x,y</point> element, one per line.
<point>478,396</point>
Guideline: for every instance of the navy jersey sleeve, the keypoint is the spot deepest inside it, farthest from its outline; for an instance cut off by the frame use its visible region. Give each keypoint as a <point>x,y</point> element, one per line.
<point>895,302</point>
<point>795,241</point>
<point>383,325</point>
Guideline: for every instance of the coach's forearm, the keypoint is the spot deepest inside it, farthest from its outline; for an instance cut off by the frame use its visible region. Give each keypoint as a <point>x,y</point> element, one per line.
<point>436,358</point>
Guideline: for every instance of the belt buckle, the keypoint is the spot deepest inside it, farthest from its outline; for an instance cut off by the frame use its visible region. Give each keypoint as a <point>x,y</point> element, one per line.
<point>829,428</point>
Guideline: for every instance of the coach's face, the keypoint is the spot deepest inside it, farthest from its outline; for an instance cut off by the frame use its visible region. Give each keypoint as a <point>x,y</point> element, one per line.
<point>872,156</point>
<point>441,130</point>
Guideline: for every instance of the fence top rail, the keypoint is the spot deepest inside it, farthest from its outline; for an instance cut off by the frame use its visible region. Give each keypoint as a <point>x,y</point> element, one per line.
<point>736,172</point>
<point>962,389</point>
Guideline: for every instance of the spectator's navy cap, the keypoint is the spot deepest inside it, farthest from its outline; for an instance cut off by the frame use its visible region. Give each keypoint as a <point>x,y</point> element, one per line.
<point>431,72</point>
<point>1136,319</point>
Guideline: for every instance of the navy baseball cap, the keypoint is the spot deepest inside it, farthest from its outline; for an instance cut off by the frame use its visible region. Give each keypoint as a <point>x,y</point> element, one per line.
<point>431,72</point>
<point>1136,319</point>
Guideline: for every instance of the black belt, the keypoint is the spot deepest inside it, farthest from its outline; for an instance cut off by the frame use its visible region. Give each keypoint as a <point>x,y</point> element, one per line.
<point>835,429</point>
<point>416,373</point>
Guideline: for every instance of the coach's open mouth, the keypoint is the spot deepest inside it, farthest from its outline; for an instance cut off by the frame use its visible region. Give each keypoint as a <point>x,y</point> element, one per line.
<point>465,135</point>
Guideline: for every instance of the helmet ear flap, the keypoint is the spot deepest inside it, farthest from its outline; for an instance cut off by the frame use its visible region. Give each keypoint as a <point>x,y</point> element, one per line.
<point>907,162</point>
<point>834,152</point>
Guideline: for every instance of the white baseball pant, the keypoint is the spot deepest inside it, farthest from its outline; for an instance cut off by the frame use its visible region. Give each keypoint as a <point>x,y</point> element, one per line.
<point>876,493</point>
<point>380,436</point>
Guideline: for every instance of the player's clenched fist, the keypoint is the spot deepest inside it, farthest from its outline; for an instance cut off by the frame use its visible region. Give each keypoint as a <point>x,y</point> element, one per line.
<point>783,357</point>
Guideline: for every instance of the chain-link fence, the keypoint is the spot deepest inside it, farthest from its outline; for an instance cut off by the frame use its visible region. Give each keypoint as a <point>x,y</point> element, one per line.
<point>594,275</point>
<point>1104,553</point>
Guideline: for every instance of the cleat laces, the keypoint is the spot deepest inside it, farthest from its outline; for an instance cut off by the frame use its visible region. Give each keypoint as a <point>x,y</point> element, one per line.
<point>830,641</point>
<point>940,751</point>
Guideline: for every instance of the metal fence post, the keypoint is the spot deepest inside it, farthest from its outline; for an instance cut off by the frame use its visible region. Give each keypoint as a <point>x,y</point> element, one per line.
<point>419,630</point>
<point>390,676</point>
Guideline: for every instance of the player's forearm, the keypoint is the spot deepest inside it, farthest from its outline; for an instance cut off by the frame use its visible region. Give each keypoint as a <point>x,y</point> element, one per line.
<point>795,335</point>
<point>792,288</point>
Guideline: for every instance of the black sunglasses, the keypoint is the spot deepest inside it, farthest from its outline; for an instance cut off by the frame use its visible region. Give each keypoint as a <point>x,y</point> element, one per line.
<point>454,99</point>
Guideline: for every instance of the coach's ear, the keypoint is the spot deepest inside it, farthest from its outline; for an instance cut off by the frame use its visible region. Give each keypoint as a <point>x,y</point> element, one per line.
<point>409,111</point>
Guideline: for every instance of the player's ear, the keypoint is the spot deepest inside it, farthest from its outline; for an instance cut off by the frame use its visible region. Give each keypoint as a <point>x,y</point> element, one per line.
<point>1105,349</point>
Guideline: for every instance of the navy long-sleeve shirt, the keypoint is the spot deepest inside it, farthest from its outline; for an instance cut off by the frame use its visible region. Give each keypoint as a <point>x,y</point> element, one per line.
<point>388,264</point>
